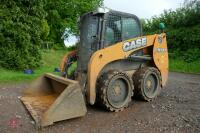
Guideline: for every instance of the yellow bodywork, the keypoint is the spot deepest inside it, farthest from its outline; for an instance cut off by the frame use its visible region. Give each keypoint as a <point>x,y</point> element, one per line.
<point>115,52</point>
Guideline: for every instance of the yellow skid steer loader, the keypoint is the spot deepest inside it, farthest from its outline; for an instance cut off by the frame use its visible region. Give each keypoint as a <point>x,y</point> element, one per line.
<point>114,61</point>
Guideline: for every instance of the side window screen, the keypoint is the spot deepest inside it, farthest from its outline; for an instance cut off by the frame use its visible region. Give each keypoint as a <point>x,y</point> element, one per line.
<point>113,30</point>
<point>109,36</point>
<point>130,28</point>
<point>92,31</point>
<point>88,31</point>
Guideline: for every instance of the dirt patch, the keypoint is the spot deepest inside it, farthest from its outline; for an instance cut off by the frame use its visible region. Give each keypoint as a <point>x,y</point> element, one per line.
<point>177,109</point>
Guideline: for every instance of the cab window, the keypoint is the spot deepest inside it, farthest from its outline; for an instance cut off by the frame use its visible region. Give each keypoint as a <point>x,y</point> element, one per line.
<point>113,30</point>
<point>119,28</point>
<point>130,28</point>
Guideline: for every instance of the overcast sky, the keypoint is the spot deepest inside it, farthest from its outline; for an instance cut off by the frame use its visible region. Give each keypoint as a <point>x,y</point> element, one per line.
<point>143,8</point>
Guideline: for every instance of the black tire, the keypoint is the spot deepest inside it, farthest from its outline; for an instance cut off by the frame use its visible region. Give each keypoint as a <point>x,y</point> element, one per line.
<point>147,83</point>
<point>114,91</point>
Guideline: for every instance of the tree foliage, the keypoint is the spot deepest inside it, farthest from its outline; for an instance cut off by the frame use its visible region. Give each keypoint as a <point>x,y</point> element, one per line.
<point>183,29</point>
<point>187,16</point>
<point>21,33</point>
<point>26,25</point>
<point>62,15</point>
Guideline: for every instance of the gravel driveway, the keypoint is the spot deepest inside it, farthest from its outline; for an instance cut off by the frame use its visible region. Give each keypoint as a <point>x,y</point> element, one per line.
<point>177,109</point>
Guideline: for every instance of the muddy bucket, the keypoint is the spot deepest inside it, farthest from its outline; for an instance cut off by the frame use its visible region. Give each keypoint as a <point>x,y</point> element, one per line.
<point>52,98</point>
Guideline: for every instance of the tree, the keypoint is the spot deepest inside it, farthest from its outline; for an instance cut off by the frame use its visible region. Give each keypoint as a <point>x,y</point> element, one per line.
<point>21,33</point>
<point>182,28</point>
<point>64,14</point>
<point>25,25</point>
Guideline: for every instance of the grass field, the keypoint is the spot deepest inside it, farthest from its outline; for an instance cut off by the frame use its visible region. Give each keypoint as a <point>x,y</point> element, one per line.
<point>51,60</point>
<point>181,66</point>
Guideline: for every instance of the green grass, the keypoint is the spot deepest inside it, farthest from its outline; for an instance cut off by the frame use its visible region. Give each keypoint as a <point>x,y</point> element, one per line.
<point>182,66</point>
<point>50,60</point>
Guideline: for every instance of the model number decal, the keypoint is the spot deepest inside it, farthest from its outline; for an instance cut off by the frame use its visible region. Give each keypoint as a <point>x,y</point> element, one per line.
<point>127,46</point>
<point>161,50</point>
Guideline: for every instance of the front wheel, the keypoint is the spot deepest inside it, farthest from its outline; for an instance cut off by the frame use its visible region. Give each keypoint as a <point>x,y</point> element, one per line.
<point>147,82</point>
<point>115,91</point>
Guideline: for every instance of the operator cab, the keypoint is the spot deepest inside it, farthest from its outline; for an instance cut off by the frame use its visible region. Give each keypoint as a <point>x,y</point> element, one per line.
<point>102,28</point>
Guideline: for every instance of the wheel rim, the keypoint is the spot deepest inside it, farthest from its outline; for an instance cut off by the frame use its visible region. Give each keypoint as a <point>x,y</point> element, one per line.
<point>151,85</point>
<point>118,92</point>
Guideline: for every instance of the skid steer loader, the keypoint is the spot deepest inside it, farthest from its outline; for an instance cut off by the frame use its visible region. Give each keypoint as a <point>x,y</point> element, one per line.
<point>114,61</point>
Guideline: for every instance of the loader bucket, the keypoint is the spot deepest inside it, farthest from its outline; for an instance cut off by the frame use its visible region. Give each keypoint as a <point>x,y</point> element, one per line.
<point>52,98</point>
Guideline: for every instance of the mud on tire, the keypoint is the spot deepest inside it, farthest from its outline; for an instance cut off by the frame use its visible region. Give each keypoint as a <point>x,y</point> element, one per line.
<point>147,83</point>
<point>114,91</point>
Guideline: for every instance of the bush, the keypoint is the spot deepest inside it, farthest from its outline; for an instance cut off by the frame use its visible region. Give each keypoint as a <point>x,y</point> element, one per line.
<point>186,16</point>
<point>28,25</point>
<point>183,38</point>
<point>21,32</point>
<point>191,55</point>
<point>59,46</point>
<point>182,28</point>
<point>15,58</point>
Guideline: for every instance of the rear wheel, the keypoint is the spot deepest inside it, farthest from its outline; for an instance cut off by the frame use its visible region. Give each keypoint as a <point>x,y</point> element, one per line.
<point>147,83</point>
<point>115,90</point>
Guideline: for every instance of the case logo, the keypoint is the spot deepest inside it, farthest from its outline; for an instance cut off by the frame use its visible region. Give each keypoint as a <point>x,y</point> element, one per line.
<point>127,46</point>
